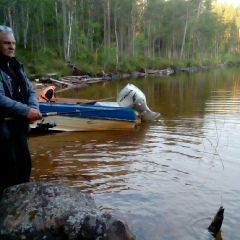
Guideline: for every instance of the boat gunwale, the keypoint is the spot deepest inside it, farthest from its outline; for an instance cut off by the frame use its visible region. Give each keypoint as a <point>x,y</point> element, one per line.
<point>84,108</point>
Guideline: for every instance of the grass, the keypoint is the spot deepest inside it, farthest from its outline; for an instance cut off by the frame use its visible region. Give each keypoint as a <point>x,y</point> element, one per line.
<point>43,62</point>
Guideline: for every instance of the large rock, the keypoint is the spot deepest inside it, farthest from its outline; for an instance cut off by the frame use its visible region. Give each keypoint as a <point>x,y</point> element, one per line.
<point>49,211</point>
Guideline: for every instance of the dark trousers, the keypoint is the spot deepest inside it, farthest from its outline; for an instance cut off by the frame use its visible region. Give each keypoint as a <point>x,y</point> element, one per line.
<point>15,160</point>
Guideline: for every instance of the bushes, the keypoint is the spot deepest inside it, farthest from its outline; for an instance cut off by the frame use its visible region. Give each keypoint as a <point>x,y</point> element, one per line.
<point>42,62</point>
<point>47,61</point>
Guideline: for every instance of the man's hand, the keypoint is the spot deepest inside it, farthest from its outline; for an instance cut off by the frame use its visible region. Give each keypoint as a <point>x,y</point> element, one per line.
<point>33,115</point>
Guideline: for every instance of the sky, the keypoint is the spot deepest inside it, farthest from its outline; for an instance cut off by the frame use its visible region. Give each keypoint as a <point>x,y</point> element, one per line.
<point>233,2</point>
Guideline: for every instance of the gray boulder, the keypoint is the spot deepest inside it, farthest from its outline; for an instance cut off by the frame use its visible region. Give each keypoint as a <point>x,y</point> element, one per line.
<point>41,210</point>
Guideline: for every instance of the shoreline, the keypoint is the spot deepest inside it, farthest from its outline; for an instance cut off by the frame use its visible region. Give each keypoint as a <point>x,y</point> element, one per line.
<point>78,81</point>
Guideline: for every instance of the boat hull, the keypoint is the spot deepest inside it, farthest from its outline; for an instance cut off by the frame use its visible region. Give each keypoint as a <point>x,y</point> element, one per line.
<point>83,117</point>
<point>69,124</point>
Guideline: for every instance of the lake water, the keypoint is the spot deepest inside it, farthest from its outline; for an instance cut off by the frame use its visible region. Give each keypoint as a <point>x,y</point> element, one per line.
<point>166,178</point>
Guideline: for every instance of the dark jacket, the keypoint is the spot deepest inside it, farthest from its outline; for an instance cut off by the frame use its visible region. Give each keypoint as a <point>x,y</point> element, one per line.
<point>10,108</point>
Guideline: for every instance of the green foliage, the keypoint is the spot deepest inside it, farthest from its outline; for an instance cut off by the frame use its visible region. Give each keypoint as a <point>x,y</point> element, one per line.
<point>125,65</point>
<point>161,63</point>
<point>230,58</point>
<point>42,62</point>
<point>193,63</point>
<point>125,35</point>
<point>140,44</point>
<point>108,58</point>
<point>46,61</point>
<point>210,62</point>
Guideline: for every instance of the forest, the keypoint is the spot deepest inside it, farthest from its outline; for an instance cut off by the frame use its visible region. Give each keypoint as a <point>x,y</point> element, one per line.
<point>122,35</point>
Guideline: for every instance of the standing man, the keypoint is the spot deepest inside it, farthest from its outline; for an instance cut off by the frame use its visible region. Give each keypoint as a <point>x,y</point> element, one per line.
<point>18,108</point>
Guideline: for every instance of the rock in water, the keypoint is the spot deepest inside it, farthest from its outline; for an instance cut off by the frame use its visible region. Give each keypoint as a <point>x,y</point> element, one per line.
<point>41,210</point>
<point>216,223</point>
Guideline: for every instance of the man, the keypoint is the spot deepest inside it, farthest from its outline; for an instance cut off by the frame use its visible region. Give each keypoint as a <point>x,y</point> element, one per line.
<point>18,108</point>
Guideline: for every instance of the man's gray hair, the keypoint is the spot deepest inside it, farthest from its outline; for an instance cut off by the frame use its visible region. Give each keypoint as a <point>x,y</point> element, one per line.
<point>5,29</point>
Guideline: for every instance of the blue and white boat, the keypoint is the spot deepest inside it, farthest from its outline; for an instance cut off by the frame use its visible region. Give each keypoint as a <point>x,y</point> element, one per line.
<point>78,115</point>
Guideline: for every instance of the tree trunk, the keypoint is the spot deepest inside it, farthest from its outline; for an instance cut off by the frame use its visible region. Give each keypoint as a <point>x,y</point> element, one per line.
<point>70,21</point>
<point>43,28</point>
<point>184,37</point>
<point>64,29</point>
<point>58,35</point>
<point>116,33</point>
<point>195,38</point>
<point>108,23</point>
<point>133,27</point>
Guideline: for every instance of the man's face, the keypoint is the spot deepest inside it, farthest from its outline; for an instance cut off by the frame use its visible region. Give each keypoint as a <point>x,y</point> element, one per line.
<point>7,45</point>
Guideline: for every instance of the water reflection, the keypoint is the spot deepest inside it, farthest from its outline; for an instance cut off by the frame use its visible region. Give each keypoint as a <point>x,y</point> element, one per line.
<point>86,160</point>
<point>169,177</point>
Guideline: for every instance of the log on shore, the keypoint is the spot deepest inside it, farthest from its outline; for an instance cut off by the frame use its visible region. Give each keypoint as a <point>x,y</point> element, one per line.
<point>82,79</point>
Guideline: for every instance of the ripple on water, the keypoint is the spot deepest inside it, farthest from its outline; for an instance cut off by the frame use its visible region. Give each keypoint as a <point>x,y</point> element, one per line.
<point>169,177</point>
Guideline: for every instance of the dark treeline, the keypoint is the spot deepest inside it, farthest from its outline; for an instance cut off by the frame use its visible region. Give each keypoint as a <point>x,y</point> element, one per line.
<point>107,33</point>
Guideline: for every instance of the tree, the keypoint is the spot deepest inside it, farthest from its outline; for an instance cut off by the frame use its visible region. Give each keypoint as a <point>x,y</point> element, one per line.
<point>109,30</point>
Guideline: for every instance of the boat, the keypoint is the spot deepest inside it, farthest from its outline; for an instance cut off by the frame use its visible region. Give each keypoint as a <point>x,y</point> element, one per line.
<point>91,115</point>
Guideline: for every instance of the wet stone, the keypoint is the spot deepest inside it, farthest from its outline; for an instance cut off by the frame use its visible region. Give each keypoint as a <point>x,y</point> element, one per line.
<point>41,210</point>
